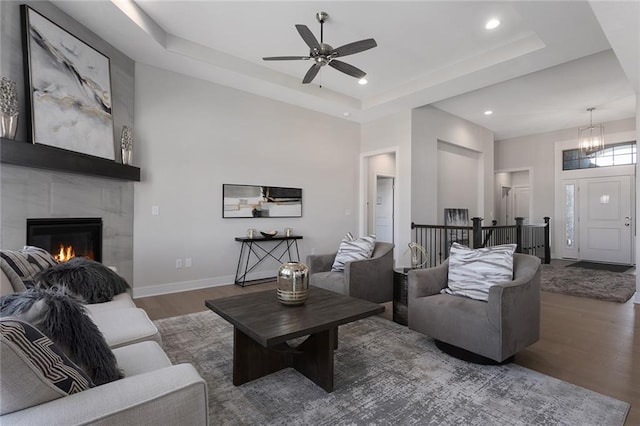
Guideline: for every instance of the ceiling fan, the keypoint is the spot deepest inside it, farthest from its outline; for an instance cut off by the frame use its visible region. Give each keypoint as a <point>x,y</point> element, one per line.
<point>322,54</point>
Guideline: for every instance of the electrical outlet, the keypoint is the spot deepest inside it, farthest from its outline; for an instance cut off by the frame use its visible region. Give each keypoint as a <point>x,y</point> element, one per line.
<point>155,210</point>
<point>187,262</point>
<point>313,250</point>
<point>178,263</point>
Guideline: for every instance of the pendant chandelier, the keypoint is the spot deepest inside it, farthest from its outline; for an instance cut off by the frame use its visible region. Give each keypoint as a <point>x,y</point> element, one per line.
<point>591,138</point>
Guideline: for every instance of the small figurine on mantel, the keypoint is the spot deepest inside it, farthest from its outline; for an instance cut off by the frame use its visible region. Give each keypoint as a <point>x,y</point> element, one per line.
<point>8,108</point>
<point>126,143</point>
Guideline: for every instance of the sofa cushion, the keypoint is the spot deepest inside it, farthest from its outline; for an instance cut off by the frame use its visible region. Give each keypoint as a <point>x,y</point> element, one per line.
<point>62,318</point>
<point>34,369</point>
<point>21,265</point>
<point>122,327</point>
<point>92,280</point>
<point>473,272</point>
<point>353,249</point>
<point>140,358</point>
<point>333,281</point>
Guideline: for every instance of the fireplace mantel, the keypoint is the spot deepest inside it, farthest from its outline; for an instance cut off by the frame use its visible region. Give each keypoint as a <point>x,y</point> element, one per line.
<point>51,158</point>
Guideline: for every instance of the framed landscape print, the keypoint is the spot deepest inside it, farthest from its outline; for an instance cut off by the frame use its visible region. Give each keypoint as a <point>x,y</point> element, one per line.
<point>68,87</point>
<point>260,201</point>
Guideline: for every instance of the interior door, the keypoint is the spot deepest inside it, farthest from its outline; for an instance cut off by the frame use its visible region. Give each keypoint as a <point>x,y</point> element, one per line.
<point>605,219</point>
<point>384,209</point>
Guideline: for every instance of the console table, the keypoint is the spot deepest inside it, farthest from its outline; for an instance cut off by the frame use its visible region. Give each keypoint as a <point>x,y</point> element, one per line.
<point>263,248</point>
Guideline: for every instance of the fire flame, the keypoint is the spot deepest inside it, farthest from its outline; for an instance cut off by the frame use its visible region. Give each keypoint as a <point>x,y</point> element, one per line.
<point>65,253</point>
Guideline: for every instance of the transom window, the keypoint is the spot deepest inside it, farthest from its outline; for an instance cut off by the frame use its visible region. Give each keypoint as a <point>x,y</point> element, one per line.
<point>612,155</point>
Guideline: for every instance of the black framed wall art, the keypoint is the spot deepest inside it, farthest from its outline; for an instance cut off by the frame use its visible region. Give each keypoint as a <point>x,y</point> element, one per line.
<point>240,201</point>
<point>68,87</point>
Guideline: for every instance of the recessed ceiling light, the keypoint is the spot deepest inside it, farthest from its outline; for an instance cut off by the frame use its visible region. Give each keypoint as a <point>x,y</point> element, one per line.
<point>492,23</point>
<point>488,112</point>
<point>346,114</point>
<point>363,81</point>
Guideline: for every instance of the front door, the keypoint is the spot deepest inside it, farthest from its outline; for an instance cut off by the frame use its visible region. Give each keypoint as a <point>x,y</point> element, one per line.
<point>605,221</point>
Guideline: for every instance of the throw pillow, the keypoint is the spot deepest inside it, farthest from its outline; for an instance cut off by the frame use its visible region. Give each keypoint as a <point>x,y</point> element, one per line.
<point>353,249</point>
<point>20,266</point>
<point>473,272</point>
<point>93,281</point>
<point>63,319</point>
<point>34,369</point>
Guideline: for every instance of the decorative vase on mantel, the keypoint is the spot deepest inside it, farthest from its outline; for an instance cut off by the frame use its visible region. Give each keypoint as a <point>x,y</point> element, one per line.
<point>126,144</point>
<point>8,108</point>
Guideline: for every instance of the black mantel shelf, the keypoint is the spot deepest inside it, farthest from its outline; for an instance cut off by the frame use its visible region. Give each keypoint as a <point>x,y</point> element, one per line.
<point>51,158</point>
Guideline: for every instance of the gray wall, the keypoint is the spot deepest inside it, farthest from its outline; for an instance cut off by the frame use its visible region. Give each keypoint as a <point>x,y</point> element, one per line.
<point>26,192</point>
<point>192,136</point>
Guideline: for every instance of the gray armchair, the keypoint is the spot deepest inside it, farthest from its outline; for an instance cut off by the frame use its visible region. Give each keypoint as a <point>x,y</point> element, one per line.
<point>369,279</point>
<point>497,329</point>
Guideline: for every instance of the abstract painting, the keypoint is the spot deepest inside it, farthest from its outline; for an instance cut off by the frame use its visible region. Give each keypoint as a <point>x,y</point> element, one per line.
<point>68,89</point>
<point>260,201</point>
<point>456,218</point>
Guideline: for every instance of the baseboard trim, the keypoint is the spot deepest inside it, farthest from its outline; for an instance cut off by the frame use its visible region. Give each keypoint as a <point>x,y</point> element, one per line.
<point>177,287</point>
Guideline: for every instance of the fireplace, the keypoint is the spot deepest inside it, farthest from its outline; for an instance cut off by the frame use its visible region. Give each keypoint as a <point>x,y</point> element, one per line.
<point>65,238</point>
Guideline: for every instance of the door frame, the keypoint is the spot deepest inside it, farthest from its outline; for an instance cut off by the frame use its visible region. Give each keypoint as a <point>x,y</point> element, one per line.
<point>557,226</point>
<point>362,196</point>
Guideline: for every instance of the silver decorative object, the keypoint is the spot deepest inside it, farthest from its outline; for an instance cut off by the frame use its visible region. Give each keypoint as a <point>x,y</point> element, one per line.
<point>8,108</point>
<point>126,144</point>
<point>293,283</point>
<point>288,232</point>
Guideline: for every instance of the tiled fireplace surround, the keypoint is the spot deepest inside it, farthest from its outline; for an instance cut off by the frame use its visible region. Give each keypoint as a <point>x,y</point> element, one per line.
<point>33,193</point>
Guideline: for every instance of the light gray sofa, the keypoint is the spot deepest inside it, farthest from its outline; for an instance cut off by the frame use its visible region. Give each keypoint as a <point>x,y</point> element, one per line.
<point>152,392</point>
<point>497,329</point>
<point>369,279</point>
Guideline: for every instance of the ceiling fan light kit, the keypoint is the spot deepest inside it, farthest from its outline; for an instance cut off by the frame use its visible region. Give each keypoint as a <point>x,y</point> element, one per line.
<point>323,54</point>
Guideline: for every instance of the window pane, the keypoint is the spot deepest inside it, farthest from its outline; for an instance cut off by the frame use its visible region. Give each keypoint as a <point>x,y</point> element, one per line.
<point>569,215</point>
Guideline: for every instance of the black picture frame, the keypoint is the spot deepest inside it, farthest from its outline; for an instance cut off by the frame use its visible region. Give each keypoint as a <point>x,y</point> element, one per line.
<point>67,88</point>
<point>258,201</point>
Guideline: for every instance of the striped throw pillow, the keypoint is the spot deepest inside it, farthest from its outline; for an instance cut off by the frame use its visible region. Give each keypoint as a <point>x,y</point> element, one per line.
<point>473,272</point>
<point>21,266</point>
<point>353,249</point>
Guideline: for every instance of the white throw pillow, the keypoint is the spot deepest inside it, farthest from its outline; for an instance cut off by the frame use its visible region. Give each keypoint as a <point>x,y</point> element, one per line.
<point>353,249</point>
<point>473,272</point>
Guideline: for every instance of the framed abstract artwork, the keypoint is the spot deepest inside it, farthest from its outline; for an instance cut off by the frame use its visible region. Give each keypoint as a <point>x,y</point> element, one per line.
<point>456,218</point>
<point>68,87</point>
<point>260,201</point>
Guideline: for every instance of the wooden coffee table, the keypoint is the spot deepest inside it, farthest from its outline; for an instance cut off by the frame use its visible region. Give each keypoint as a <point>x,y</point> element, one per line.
<point>262,326</point>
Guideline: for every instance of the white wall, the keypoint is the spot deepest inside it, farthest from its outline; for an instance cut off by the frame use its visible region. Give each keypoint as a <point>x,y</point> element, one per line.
<point>391,134</point>
<point>191,137</point>
<point>536,153</point>
<point>458,175</point>
<point>430,128</point>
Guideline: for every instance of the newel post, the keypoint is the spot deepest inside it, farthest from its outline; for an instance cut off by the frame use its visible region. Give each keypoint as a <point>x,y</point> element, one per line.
<point>477,232</point>
<point>547,248</point>
<point>519,223</point>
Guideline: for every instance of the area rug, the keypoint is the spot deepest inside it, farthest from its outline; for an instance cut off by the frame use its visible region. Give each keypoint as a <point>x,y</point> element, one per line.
<point>599,266</point>
<point>384,374</point>
<point>603,285</point>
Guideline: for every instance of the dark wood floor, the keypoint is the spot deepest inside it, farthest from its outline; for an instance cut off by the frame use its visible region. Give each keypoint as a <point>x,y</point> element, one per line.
<point>587,342</point>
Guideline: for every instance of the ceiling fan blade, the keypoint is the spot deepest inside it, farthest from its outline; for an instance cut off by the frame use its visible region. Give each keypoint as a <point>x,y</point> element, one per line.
<point>285,58</point>
<point>355,47</point>
<point>347,69</point>
<point>311,74</point>
<point>308,36</point>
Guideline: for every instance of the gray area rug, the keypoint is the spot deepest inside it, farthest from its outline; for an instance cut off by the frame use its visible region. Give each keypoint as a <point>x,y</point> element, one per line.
<point>603,285</point>
<point>385,374</point>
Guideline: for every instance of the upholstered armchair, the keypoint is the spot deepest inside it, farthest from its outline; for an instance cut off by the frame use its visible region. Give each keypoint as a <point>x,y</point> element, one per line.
<point>369,279</point>
<point>496,329</point>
